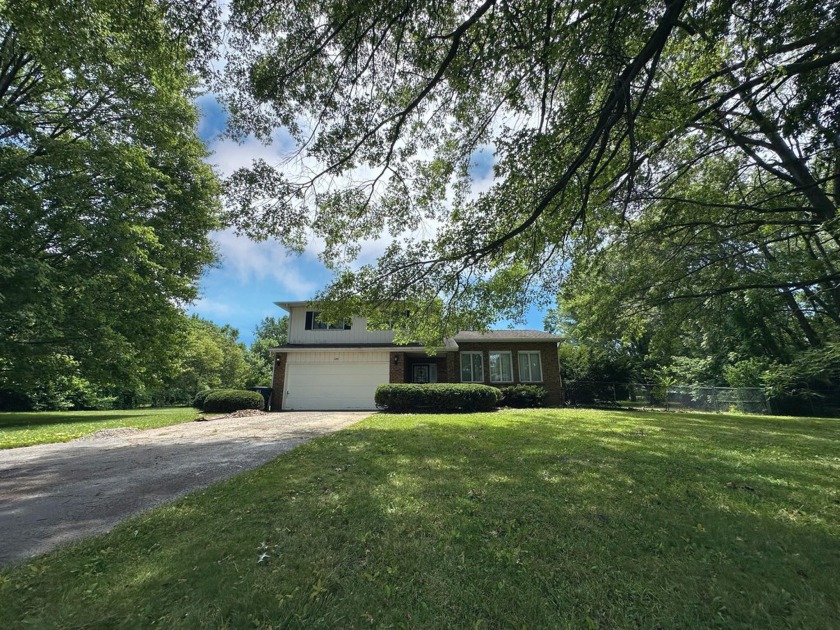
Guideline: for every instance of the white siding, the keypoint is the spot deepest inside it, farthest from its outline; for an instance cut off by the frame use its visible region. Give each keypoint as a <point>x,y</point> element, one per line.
<point>358,332</point>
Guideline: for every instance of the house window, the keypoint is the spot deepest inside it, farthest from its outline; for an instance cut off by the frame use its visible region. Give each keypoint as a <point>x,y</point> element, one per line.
<point>472,369</point>
<point>501,367</point>
<point>313,323</point>
<point>530,367</point>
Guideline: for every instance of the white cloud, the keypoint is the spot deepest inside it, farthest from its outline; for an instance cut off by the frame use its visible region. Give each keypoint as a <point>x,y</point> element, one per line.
<point>251,260</point>
<point>229,155</point>
<point>210,307</point>
<point>259,260</point>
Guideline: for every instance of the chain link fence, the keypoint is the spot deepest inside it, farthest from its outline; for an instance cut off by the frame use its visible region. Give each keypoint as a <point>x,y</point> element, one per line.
<point>688,397</point>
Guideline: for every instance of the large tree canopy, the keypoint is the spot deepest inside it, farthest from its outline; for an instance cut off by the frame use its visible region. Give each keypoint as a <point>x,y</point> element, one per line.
<point>711,127</point>
<point>105,202</point>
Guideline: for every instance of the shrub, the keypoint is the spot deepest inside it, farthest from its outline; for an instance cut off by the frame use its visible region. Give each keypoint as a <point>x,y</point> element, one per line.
<point>228,400</point>
<point>436,397</point>
<point>200,397</point>
<point>522,396</point>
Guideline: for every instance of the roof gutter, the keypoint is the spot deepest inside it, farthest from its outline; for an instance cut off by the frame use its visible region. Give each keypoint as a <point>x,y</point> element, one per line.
<point>332,349</point>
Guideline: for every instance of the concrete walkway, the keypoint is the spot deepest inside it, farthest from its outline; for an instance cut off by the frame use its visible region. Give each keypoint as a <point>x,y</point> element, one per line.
<point>56,493</point>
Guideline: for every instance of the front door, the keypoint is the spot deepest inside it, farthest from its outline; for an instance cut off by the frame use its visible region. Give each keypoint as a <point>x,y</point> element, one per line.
<point>424,373</point>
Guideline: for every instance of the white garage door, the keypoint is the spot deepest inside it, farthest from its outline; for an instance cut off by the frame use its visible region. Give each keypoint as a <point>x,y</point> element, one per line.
<point>340,380</point>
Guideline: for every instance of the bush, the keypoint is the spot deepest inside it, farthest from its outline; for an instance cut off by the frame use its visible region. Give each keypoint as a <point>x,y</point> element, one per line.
<point>436,397</point>
<point>228,400</point>
<point>523,396</point>
<point>200,397</point>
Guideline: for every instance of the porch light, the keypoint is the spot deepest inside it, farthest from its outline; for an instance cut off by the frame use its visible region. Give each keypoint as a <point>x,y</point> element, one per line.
<point>396,359</point>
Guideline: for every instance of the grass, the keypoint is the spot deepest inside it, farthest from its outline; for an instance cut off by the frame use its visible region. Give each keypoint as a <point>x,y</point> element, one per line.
<point>43,427</point>
<point>562,519</point>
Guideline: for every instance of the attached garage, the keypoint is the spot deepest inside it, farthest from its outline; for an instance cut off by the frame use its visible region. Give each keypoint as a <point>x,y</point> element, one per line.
<point>333,380</point>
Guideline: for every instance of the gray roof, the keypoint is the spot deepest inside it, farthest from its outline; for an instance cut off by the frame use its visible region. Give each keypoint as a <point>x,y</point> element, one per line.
<point>507,335</point>
<point>450,344</point>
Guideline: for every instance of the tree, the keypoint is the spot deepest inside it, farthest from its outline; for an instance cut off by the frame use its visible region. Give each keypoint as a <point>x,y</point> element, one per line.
<point>204,355</point>
<point>612,124</point>
<point>665,291</point>
<point>105,201</point>
<point>269,333</point>
<point>209,356</point>
<point>586,357</point>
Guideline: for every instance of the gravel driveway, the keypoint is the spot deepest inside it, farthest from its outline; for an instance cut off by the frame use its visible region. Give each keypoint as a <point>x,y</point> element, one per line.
<point>55,493</point>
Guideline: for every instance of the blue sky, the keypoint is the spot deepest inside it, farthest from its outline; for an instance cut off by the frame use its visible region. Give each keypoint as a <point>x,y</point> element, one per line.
<point>251,276</point>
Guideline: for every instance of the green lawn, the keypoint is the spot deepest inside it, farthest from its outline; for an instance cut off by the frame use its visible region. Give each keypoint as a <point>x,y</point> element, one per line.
<point>570,519</point>
<point>42,427</point>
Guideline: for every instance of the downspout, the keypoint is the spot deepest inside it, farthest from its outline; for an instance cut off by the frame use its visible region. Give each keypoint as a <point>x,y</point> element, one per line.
<point>560,374</point>
<point>273,369</point>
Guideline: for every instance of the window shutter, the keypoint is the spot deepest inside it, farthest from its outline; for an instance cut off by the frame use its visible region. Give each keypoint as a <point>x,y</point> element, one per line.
<point>309,315</point>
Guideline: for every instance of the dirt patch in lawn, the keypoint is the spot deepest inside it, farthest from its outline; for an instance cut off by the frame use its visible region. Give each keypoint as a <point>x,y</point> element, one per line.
<point>107,433</point>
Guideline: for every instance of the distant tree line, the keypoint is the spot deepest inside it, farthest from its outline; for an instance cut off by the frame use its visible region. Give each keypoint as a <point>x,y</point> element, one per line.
<point>750,342</point>
<point>206,356</point>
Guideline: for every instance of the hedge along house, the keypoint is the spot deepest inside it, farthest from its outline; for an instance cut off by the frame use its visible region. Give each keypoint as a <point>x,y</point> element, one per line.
<point>340,366</point>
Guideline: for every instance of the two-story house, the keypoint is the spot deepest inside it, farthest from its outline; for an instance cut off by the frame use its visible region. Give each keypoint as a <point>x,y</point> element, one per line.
<point>340,366</point>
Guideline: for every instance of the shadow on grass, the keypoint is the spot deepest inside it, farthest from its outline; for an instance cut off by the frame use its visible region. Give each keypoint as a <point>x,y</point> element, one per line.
<point>717,424</point>
<point>535,518</point>
<point>13,420</point>
<point>62,495</point>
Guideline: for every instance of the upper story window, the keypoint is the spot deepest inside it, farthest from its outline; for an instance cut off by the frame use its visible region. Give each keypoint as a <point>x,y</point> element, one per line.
<point>384,325</point>
<point>313,323</point>
<point>530,367</point>
<point>472,368</point>
<point>501,367</point>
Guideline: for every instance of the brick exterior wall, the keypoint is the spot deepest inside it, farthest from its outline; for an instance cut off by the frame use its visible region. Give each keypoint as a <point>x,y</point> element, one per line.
<point>548,357</point>
<point>442,368</point>
<point>396,371</point>
<point>452,367</point>
<point>278,382</point>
